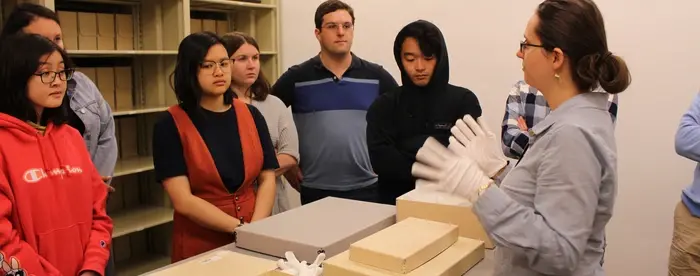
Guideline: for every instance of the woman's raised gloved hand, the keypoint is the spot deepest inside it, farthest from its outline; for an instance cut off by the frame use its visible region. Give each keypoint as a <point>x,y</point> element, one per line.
<point>474,139</point>
<point>447,171</point>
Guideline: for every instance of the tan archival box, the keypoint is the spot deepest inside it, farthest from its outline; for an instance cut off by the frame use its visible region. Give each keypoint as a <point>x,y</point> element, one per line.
<point>222,262</point>
<point>455,260</point>
<point>438,206</point>
<point>328,225</point>
<point>405,245</point>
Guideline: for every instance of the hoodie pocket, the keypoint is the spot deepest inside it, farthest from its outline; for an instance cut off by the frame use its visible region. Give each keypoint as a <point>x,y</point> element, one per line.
<point>64,248</point>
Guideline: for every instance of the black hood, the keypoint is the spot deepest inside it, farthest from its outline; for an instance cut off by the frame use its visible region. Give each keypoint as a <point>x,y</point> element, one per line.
<point>425,30</point>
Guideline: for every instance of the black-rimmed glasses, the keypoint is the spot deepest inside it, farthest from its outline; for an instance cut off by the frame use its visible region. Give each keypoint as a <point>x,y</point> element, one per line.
<point>50,76</point>
<point>524,45</point>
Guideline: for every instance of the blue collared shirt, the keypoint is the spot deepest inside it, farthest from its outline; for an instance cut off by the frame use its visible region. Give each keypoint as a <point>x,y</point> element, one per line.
<point>688,146</point>
<point>549,214</point>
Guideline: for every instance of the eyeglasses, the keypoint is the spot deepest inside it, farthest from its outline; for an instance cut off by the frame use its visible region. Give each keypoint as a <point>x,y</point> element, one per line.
<point>50,76</point>
<point>524,45</point>
<point>334,26</point>
<point>210,66</point>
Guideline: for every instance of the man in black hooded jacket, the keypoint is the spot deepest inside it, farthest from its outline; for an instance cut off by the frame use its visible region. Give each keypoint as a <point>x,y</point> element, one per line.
<point>399,121</point>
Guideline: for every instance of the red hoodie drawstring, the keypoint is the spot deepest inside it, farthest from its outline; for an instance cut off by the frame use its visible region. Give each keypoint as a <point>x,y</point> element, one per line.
<point>41,151</point>
<point>62,165</point>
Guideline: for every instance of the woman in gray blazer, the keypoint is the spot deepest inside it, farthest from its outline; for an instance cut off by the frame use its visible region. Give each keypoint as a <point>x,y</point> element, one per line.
<point>250,85</point>
<point>548,215</point>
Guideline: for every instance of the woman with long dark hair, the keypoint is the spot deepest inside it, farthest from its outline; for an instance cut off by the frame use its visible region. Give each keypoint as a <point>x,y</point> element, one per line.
<point>210,150</point>
<point>88,111</point>
<point>52,198</point>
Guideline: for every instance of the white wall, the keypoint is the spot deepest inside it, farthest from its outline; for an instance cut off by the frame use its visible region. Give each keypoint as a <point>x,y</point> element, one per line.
<point>660,41</point>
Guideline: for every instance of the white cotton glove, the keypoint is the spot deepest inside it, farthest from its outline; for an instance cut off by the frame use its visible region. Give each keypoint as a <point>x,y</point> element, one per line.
<point>478,142</point>
<point>292,266</point>
<point>437,166</point>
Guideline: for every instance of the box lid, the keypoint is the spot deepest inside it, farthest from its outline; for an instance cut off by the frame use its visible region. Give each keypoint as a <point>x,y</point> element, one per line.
<point>455,260</point>
<point>426,203</point>
<point>405,245</point>
<point>330,224</point>
<point>220,263</point>
<point>429,195</point>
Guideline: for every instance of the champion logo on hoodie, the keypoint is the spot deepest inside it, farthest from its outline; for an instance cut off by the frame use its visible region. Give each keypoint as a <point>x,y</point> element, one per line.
<point>43,170</point>
<point>35,175</point>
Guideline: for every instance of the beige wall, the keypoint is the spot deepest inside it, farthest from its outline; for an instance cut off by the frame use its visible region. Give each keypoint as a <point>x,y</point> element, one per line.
<point>659,39</point>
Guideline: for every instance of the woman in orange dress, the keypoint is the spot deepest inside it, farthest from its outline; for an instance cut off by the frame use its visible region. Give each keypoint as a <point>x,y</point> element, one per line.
<point>210,150</point>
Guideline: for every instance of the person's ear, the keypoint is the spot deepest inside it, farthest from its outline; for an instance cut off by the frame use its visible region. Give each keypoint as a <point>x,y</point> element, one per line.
<point>317,33</point>
<point>557,59</point>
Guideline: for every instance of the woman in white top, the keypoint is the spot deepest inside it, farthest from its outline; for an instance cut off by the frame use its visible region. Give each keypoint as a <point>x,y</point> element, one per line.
<point>250,85</point>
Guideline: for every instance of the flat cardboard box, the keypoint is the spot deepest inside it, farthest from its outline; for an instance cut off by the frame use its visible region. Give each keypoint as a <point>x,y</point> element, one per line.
<point>124,99</point>
<point>128,139</point>
<point>90,72</point>
<point>105,83</point>
<point>124,25</point>
<point>455,260</point>
<point>195,25</point>
<point>209,25</point>
<point>117,134</point>
<point>404,246</point>
<point>222,262</point>
<point>87,31</point>
<point>328,225</point>
<point>106,37</point>
<point>221,27</point>
<point>69,27</point>
<point>433,205</point>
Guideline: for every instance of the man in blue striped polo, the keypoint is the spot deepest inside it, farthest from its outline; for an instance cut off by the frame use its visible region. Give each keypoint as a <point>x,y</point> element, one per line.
<point>329,95</point>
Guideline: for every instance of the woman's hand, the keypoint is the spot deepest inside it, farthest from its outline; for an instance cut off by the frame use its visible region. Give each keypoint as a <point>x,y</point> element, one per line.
<point>238,222</point>
<point>265,198</point>
<point>522,124</point>
<point>106,179</point>
<point>294,177</point>
<point>89,273</point>
<point>444,170</point>
<point>477,141</point>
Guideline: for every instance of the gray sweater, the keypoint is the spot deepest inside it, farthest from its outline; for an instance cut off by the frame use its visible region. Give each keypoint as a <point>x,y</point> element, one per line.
<point>284,138</point>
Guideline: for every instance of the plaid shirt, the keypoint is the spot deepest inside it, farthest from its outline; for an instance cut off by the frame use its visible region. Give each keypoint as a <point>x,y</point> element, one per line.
<point>526,101</point>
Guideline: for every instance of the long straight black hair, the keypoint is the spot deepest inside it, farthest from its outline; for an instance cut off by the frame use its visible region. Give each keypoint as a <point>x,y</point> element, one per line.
<point>20,58</point>
<point>23,15</point>
<point>190,55</point>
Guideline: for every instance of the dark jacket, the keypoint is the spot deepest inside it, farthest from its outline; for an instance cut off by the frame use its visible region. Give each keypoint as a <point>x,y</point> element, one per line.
<point>399,121</point>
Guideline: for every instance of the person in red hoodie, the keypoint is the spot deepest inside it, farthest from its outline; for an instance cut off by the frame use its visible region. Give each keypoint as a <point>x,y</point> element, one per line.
<point>52,199</point>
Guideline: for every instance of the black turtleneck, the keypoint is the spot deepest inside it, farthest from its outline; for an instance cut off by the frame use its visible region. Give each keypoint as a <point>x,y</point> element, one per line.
<point>399,121</point>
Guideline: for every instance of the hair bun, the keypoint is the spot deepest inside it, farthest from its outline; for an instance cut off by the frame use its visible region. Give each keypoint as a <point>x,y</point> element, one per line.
<point>604,69</point>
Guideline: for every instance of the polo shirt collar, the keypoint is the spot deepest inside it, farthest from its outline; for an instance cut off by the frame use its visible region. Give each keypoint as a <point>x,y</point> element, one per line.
<point>356,62</point>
